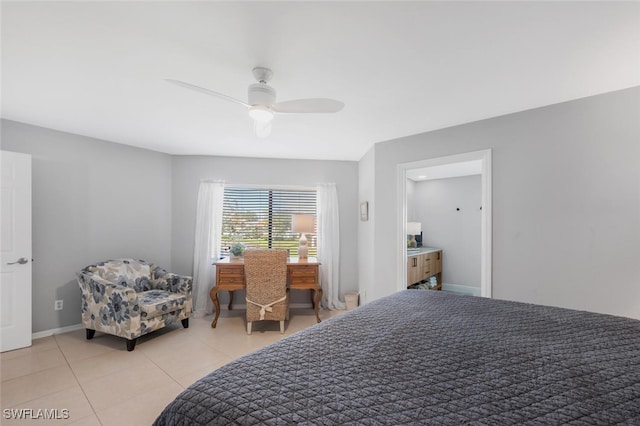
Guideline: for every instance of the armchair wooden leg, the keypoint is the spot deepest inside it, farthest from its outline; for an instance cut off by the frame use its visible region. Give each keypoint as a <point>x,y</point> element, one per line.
<point>90,333</point>
<point>185,323</point>
<point>281,327</point>
<point>131,344</point>
<point>248,327</point>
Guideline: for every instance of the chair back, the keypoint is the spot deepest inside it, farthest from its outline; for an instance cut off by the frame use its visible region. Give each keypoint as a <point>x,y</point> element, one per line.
<point>265,272</point>
<point>132,273</point>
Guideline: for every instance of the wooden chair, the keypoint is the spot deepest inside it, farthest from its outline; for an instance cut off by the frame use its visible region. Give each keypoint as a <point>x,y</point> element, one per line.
<point>267,293</point>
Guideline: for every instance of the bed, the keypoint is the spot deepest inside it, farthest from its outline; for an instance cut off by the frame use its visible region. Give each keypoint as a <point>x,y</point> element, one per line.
<point>426,357</point>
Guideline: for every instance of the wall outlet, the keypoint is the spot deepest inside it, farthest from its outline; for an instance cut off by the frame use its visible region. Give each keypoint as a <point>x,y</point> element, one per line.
<point>58,305</point>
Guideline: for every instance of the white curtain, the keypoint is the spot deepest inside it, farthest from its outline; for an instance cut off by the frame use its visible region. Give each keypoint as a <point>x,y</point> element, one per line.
<point>207,244</point>
<point>329,244</point>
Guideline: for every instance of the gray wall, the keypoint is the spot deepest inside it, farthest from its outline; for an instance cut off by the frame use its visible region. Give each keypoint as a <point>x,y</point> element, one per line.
<point>95,200</point>
<point>92,200</point>
<point>188,171</point>
<point>366,234</point>
<point>566,201</point>
<point>456,232</point>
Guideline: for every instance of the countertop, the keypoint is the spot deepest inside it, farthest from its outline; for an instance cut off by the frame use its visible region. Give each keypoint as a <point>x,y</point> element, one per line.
<point>421,250</point>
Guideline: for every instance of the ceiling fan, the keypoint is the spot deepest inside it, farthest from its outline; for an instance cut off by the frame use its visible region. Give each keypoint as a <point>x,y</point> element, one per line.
<point>262,104</point>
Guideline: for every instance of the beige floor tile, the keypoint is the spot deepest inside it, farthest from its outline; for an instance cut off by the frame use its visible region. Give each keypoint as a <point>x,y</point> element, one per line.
<point>79,337</point>
<point>239,346</point>
<point>200,322</point>
<point>129,412</point>
<point>91,420</point>
<point>168,338</point>
<point>62,407</point>
<point>31,362</point>
<point>37,345</point>
<point>75,350</point>
<point>70,338</point>
<point>196,374</point>
<point>36,385</point>
<point>100,382</point>
<point>87,369</point>
<point>117,387</point>
<point>231,338</point>
<point>186,359</point>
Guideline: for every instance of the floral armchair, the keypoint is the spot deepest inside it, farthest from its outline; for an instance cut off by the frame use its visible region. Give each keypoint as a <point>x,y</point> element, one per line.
<point>130,297</point>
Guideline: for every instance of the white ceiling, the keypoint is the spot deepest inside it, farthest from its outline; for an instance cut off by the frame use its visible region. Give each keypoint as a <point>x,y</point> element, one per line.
<point>401,68</point>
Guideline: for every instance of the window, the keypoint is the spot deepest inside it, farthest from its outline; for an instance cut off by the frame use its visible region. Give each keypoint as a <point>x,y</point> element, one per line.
<point>259,217</point>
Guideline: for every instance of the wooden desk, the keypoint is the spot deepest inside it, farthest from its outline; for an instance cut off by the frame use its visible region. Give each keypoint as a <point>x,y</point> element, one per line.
<point>301,275</point>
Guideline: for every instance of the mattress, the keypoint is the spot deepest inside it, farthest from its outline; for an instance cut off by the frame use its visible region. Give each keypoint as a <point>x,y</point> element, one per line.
<point>426,357</point>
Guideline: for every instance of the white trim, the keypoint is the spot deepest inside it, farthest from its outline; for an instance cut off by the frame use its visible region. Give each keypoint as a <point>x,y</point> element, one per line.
<point>274,187</point>
<point>47,333</point>
<point>486,231</point>
<point>486,286</point>
<point>461,289</point>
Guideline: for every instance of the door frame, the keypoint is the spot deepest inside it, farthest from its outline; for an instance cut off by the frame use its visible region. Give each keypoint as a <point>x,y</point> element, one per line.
<point>486,287</point>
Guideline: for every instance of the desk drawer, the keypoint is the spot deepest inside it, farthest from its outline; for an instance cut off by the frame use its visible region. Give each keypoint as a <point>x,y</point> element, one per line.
<point>226,279</point>
<point>303,271</point>
<point>293,280</point>
<point>230,275</point>
<point>231,270</point>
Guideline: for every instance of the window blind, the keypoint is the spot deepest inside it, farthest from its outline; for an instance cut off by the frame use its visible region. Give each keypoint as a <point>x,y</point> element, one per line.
<point>261,218</point>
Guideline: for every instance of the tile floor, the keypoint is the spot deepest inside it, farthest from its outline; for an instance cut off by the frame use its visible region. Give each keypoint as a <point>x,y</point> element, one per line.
<point>100,383</point>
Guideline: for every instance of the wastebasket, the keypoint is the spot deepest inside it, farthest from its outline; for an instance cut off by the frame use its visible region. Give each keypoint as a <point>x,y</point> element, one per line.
<point>351,300</point>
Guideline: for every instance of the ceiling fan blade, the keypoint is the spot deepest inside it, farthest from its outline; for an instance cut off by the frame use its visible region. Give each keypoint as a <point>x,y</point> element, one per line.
<point>206,91</point>
<point>303,106</point>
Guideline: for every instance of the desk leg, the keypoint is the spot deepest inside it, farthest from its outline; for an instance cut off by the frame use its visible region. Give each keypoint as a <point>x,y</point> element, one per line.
<point>230,298</point>
<point>214,298</point>
<point>316,302</point>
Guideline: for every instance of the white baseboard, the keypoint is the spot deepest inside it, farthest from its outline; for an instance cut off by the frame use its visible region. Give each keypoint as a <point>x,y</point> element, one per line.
<point>461,289</point>
<point>47,333</point>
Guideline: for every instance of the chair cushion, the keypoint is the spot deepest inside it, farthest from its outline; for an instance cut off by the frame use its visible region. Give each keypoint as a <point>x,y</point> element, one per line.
<point>158,302</point>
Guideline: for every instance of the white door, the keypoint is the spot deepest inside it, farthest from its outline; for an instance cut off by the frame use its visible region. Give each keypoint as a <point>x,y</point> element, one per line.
<point>15,251</point>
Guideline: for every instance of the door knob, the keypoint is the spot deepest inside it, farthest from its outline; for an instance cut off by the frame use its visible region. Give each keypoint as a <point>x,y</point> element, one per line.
<point>21,261</point>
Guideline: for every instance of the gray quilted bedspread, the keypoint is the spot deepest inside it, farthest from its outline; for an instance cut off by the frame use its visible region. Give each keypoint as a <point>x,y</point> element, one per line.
<point>425,357</point>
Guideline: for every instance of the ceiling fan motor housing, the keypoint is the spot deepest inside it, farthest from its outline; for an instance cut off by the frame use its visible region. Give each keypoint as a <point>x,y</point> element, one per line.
<point>261,94</point>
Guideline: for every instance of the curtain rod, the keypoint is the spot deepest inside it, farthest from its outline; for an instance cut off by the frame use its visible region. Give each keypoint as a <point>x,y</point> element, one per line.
<point>280,187</point>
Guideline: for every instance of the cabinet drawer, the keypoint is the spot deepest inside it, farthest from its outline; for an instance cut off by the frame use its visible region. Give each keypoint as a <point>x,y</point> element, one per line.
<point>436,262</point>
<point>427,265</point>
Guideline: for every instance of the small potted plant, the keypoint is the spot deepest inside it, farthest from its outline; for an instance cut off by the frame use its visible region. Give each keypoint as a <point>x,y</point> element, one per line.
<point>236,249</point>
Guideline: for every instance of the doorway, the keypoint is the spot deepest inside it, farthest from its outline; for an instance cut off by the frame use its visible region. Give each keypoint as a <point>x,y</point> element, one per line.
<point>483,158</point>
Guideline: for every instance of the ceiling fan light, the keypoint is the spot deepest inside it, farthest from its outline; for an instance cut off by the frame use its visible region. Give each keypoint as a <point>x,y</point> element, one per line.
<point>262,129</point>
<point>260,113</point>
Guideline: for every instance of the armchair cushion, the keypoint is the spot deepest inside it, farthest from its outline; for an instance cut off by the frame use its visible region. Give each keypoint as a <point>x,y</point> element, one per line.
<point>163,280</point>
<point>159,302</point>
